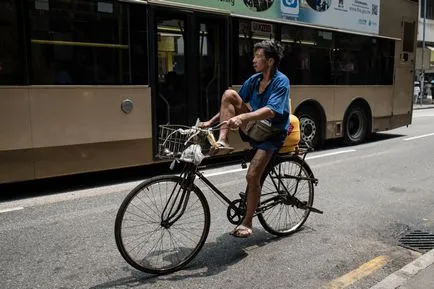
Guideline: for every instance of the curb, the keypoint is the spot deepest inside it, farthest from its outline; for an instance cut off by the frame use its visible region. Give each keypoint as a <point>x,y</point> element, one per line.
<point>407,272</point>
<point>423,107</point>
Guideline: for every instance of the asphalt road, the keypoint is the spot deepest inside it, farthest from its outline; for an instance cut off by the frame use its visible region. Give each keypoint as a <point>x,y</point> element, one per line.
<point>371,195</point>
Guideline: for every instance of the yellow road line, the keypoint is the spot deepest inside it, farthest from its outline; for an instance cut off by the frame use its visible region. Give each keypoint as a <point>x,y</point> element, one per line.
<point>364,270</point>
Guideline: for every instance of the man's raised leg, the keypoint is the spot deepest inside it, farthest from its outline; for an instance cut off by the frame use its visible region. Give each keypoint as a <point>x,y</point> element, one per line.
<point>231,105</point>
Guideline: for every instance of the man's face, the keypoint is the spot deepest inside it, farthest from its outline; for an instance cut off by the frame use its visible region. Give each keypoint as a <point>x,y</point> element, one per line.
<point>260,63</point>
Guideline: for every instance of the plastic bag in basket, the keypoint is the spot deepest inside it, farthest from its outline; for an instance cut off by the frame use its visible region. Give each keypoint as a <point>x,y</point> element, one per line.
<point>193,154</point>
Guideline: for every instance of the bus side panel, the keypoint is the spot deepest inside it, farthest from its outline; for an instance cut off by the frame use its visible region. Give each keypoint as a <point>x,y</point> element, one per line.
<point>16,158</point>
<point>15,111</point>
<point>81,115</point>
<point>72,159</point>
<point>60,130</point>
<point>83,129</point>
<point>402,102</point>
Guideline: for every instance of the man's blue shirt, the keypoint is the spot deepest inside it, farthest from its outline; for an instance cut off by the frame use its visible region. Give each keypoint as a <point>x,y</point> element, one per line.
<point>276,97</point>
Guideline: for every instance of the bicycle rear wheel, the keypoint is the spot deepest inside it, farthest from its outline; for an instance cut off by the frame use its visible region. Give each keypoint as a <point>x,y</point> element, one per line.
<point>151,241</point>
<point>287,195</point>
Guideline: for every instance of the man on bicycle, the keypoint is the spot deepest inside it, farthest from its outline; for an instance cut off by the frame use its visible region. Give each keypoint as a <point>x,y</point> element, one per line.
<point>263,97</point>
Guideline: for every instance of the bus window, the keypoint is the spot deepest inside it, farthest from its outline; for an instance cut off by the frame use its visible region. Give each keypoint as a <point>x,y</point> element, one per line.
<point>363,60</point>
<point>79,42</point>
<point>246,34</point>
<point>308,55</point>
<point>11,54</point>
<point>212,68</point>
<point>409,31</point>
<point>171,71</point>
<point>138,44</point>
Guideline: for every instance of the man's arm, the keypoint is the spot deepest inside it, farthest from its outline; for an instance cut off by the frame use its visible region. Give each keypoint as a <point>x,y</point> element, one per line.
<point>210,122</point>
<point>260,114</point>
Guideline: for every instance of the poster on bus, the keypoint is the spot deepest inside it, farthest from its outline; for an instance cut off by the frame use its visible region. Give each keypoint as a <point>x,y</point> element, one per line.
<point>356,15</point>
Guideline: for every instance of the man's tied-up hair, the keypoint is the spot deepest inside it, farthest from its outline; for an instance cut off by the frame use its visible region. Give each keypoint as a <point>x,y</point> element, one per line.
<point>272,49</point>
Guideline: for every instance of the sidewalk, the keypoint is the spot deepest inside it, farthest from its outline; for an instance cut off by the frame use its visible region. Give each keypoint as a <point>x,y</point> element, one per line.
<point>423,106</point>
<point>419,274</point>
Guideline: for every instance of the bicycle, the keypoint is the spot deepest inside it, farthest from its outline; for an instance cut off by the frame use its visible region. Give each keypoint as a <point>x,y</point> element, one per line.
<point>163,222</point>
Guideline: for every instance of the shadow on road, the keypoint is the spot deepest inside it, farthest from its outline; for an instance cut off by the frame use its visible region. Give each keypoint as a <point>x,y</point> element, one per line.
<point>214,258</point>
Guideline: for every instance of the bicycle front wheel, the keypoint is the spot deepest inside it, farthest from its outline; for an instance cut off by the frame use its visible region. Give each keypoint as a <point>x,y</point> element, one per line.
<point>287,196</point>
<point>161,226</point>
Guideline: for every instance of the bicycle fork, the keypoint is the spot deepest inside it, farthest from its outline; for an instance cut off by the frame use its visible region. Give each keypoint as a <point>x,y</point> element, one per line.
<point>177,202</point>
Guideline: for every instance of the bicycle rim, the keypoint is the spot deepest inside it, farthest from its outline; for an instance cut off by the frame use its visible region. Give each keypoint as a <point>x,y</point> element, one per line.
<point>149,246</point>
<point>284,218</point>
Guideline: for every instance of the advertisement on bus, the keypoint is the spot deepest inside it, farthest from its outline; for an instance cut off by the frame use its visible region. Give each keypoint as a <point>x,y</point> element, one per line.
<point>355,15</point>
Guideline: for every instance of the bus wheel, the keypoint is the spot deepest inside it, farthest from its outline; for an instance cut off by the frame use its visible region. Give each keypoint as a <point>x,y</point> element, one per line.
<point>355,125</point>
<point>310,127</point>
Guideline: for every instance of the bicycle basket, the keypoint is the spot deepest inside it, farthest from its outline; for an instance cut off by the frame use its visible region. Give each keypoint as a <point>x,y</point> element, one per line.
<point>174,139</point>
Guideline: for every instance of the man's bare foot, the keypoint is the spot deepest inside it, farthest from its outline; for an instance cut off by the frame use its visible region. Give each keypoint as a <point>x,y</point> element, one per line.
<point>220,148</point>
<point>241,231</point>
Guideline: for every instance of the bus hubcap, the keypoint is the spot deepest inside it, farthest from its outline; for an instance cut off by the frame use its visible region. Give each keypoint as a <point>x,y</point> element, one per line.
<point>308,129</point>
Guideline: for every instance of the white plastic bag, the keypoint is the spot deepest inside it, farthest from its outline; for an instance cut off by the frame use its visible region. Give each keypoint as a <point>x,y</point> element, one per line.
<point>193,154</point>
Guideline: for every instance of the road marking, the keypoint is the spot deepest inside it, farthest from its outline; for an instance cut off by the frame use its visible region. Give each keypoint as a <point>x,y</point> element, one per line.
<point>308,158</point>
<point>224,173</point>
<point>364,270</point>
<point>330,154</point>
<point>11,209</point>
<point>420,136</point>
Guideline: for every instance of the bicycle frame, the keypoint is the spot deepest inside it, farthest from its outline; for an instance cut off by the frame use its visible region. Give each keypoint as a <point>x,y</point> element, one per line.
<point>174,209</point>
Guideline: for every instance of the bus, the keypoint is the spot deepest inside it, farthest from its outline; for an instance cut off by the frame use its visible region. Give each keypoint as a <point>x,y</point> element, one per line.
<point>85,84</point>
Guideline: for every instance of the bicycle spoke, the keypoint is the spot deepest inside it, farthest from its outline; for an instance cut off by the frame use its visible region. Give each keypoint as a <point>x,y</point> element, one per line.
<point>142,212</point>
<point>143,202</point>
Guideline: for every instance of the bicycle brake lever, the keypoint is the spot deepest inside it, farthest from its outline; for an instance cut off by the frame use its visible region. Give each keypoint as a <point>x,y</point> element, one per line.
<point>197,123</point>
<point>172,165</point>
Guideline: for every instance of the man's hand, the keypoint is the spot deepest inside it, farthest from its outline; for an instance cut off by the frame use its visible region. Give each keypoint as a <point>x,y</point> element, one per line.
<point>235,122</point>
<point>205,124</point>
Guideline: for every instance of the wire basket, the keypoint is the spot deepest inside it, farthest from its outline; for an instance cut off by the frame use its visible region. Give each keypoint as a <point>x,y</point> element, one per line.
<point>174,139</point>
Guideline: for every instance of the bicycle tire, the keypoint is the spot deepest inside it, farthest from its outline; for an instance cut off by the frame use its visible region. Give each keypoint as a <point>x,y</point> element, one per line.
<point>289,165</point>
<point>136,207</point>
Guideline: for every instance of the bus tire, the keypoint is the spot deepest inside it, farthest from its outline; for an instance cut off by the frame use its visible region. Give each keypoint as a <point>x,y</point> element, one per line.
<point>355,125</point>
<point>310,126</point>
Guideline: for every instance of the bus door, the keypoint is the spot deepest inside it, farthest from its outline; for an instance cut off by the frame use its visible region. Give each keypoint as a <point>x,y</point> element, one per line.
<point>213,72</point>
<point>404,79</point>
<point>190,66</point>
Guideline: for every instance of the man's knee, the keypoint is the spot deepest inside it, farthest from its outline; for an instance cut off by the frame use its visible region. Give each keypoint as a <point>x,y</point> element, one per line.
<point>229,95</point>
